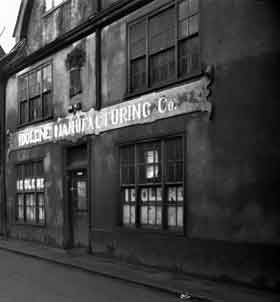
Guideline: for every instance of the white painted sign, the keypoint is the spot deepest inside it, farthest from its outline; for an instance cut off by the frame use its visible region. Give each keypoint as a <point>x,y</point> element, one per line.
<point>145,109</point>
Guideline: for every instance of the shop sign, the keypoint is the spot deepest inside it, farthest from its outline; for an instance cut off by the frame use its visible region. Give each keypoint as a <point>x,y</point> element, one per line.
<point>145,109</point>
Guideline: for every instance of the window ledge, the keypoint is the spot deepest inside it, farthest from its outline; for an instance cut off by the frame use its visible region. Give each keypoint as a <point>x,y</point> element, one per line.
<point>151,231</point>
<point>27,224</point>
<point>162,86</point>
<point>21,126</point>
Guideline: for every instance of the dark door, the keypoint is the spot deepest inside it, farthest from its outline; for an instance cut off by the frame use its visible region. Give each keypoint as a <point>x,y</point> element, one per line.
<point>79,207</point>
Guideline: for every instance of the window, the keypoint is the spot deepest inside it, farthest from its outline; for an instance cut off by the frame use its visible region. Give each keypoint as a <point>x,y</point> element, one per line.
<point>164,47</point>
<point>75,81</point>
<point>49,4</point>
<point>35,95</point>
<point>152,189</point>
<point>30,198</point>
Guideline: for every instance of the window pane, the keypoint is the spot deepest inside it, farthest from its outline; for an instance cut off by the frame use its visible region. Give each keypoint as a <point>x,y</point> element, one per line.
<point>81,195</point>
<point>35,109</point>
<point>144,195</point>
<point>47,103</point>
<point>137,36</point>
<point>152,215</point>
<point>30,207</point>
<point>126,214</point>
<point>75,81</point>
<point>47,78</point>
<point>138,73</point>
<point>41,206</point>
<point>23,88</point>
<point>180,217</point>
<point>193,25</point>
<point>171,216</point>
<point>162,31</point>
<point>188,56</point>
<point>35,83</point>
<point>172,194</point>
<point>162,66</point>
<point>193,6</point>
<point>20,207</point>
<point>144,215</point>
<point>159,216</point>
<point>23,112</point>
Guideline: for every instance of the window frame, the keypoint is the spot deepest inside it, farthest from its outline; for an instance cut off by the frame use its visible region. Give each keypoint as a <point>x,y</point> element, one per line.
<point>162,183</point>
<point>29,99</point>
<point>36,192</point>
<point>177,78</point>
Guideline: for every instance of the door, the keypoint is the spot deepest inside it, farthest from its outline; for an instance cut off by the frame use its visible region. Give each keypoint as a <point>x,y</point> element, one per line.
<point>78,186</point>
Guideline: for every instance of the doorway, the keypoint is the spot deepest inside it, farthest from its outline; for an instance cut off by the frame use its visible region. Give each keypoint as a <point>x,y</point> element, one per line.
<point>78,206</point>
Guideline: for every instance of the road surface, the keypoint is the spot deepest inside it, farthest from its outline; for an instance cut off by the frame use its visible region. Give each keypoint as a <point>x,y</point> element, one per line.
<point>24,279</point>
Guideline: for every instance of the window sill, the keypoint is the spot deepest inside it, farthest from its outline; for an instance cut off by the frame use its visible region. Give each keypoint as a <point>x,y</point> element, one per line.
<point>21,126</point>
<point>29,224</point>
<point>151,231</point>
<point>157,88</point>
<point>50,11</point>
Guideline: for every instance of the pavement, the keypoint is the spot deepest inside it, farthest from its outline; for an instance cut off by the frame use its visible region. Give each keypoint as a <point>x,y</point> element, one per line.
<point>188,287</point>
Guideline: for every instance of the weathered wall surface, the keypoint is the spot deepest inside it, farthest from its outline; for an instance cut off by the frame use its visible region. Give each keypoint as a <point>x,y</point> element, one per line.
<point>232,178</point>
<point>45,27</point>
<point>52,155</point>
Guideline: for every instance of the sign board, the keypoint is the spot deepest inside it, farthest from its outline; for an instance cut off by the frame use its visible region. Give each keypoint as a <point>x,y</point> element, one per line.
<point>184,99</point>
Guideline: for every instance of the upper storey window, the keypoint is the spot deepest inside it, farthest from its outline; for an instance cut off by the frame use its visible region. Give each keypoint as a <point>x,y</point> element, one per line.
<point>50,4</point>
<point>164,45</point>
<point>35,95</point>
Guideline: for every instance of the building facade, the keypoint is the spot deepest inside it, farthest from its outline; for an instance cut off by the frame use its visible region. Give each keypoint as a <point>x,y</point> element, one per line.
<point>147,130</point>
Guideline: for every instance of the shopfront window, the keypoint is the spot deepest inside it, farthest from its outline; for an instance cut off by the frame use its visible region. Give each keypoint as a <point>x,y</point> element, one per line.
<point>30,197</point>
<point>152,184</point>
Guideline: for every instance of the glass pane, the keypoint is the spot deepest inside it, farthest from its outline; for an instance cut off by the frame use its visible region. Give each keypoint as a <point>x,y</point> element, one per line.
<point>20,200</point>
<point>35,108</point>
<point>47,104</point>
<point>126,214</point>
<point>159,216</point>
<point>193,25</point>
<point>193,6</point>
<point>126,194</point>
<point>172,194</point>
<point>81,195</point>
<point>132,195</point>
<point>138,73</point>
<point>171,216</point>
<point>188,56</point>
<point>152,215</point>
<point>162,30</point>
<point>180,194</point>
<point>41,200</point>
<point>35,83</point>
<point>150,172</point>
<point>47,78</point>
<point>144,195</point>
<point>132,214</point>
<point>144,215</point>
<point>152,194</point>
<point>23,88</point>
<point>159,194</point>
<point>180,216</point>
<point>23,112</point>
<point>75,81</point>
<point>183,28</point>
<point>137,39</point>
<point>183,9</point>
<point>162,67</point>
